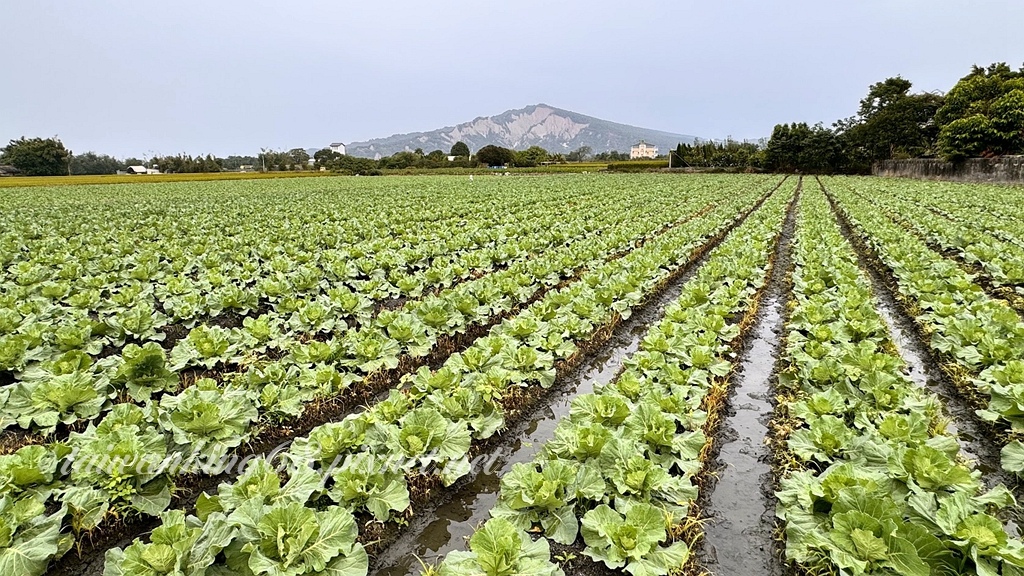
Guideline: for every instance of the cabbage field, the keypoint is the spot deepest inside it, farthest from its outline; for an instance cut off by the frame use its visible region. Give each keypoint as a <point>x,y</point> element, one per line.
<point>641,374</point>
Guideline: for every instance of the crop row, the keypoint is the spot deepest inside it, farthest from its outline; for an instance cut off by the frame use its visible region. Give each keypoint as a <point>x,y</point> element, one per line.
<point>980,338</point>
<point>991,208</point>
<point>620,475</point>
<point>1000,263</point>
<point>280,368</point>
<point>313,301</point>
<point>871,483</point>
<point>428,427</point>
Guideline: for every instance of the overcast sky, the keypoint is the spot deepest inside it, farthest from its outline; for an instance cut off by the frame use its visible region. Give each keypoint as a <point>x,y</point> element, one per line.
<point>229,77</point>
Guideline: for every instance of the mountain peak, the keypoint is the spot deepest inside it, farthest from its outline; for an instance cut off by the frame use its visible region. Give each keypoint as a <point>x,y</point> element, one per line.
<point>552,128</point>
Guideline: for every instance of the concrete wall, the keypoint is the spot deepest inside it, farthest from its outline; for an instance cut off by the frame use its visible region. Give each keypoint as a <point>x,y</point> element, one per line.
<point>1003,169</point>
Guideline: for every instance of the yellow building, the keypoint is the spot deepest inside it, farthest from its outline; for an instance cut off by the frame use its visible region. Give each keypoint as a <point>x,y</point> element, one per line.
<point>643,150</point>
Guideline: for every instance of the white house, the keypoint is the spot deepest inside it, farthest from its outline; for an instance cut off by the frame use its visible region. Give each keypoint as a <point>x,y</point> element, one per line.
<point>643,150</point>
<point>338,147</point>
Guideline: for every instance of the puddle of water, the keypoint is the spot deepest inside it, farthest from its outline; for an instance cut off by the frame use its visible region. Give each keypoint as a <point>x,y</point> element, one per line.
<point>741,507</point>
<point>738,537</point>
<point>446,528</point>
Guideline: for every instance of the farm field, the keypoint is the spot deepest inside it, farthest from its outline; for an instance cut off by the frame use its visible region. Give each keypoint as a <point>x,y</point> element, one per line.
<point>565,374</point>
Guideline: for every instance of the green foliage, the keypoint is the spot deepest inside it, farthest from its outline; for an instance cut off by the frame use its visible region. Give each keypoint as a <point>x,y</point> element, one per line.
<point>728,154</point>
<point>206,419</point>
<point>492,155</point>
<point>288,539</point>
<point>637,166</point>
<point>632,540</point>
<point>459,149</point>
<point>29,537</point>
<point>802,148</point>
<point>532,156</point>
<point>182,546</point>
<point>891,123</point>
<point>500,549</point>
<point>544,493</point>
<point>186,164</point>
<point>93,163</point>
<point>984,112</point>
<point>37,156</point>
<point>364,480</point>
<point>967,137</point>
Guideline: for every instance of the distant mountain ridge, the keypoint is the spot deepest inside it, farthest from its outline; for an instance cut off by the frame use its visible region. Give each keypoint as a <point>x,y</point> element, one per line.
<point>556,130</point>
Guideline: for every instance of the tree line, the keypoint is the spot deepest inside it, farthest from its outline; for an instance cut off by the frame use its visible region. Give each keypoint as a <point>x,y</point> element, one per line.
<point>49,157</point>
<point>982,115</point>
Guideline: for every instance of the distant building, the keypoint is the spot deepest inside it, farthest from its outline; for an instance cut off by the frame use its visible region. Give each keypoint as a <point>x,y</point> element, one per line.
<point>142,170</point>
<point>643,150</point>
<point>6,170</point>
<point>337,147</point>
<point>247,168</point>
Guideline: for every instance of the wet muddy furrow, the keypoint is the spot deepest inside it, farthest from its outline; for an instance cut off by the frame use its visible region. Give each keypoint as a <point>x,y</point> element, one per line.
<point>740,511</point>
<point>924,367</point>
<point>446,528</point>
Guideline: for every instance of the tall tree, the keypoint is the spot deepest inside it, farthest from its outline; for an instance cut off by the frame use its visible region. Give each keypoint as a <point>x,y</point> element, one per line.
<point>93,163</point>
<point>495,155</point>
<point>891,123</point>
<point>983,113</point>
<point>532,156</point>
<point>299,157</point>
<point>459,149</point>
<point>37,156</point>
<point>580,154</point>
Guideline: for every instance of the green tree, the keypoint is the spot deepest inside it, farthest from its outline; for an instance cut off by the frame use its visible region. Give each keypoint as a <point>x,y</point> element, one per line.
<point>966,137</point>
<point>437,158</point>
<point>983,113</point>
<point>401,160</point>
<point>579,155</point>
<point>802,148</point>
<point>531,157</point>
<point>37,156</point>
<point>93,163</point>
<point>891,123</point>
<point>459,149</point>
<point>235,162</point>
<point>1007,114</point>
<point>299,157</point>
<point>324,156</point>
<point>495,155</point>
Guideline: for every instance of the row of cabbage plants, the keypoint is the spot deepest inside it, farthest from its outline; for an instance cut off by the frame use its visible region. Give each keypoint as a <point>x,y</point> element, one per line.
<point>69,368</point>
<point>622,471</point>
<point>989,207</point>
<point>1000,263</point>
<point>364,462</point>
<point>980,338</point>
<point>205,244</point>
<point>312,360</point>
<point>871,483</point>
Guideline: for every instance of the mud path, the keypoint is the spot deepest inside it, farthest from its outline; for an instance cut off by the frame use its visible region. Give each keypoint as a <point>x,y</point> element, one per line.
<point>738,535</point>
